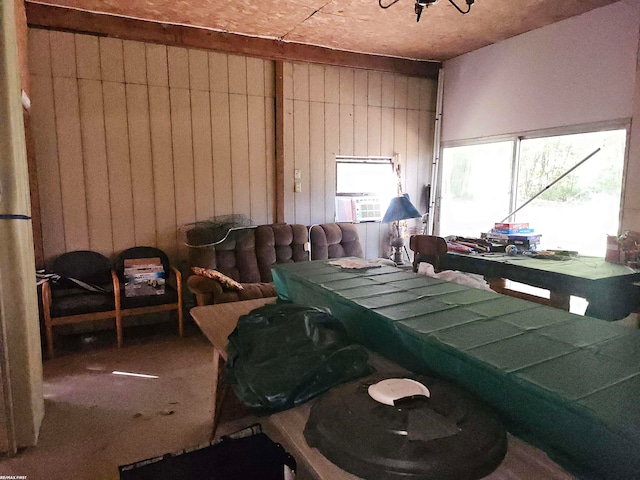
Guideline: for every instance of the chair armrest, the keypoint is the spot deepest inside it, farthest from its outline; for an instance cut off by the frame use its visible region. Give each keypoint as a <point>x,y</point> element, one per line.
<point>46,296</point>
<point>205,289</point>
<point>116,289</point>
<point>200,284</point>
<point>209,291</point>
<point>250,291</point>
<point>178,276</point>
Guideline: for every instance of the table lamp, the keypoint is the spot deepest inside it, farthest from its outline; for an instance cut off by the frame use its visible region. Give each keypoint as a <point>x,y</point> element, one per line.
<point>400,208</point>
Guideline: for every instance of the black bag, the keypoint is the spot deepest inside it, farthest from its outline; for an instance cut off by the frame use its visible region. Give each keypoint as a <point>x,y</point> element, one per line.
<point>245,455</point>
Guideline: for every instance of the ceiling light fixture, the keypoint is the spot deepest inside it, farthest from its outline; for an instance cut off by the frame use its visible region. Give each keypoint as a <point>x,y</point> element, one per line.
<point>422,4</point>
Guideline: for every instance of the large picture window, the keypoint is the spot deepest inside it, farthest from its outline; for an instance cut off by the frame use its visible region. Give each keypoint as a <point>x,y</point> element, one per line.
<point>481,184</point>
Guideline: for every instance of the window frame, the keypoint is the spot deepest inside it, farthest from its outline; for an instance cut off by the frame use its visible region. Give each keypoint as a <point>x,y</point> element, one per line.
<point>363,159</point>
<point>517,138</point>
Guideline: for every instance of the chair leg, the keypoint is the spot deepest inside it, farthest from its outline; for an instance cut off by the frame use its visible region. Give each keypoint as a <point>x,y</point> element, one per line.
<point>119,328</point>
<point>180,315</point>
<point>49,332</point>
<point>46,307</point>
<point>117,304</point>
<point>214,391</point>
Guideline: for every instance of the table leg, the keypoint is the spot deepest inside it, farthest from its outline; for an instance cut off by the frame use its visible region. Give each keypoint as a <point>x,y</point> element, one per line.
<point>215,404</point>
<point>498,285</point>
<point>559,300</point>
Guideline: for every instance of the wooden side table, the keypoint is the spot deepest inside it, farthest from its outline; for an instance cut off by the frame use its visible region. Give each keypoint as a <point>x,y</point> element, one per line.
<point>217,322</point>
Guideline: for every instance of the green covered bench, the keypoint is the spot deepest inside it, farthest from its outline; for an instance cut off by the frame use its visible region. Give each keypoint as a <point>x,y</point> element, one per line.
<point>567,383</point>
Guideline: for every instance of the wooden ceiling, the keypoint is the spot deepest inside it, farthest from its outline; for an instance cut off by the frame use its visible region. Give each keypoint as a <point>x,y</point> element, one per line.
<point>355,25</point>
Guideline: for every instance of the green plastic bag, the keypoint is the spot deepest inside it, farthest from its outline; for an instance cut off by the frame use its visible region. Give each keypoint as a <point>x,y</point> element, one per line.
<point>284,354</point>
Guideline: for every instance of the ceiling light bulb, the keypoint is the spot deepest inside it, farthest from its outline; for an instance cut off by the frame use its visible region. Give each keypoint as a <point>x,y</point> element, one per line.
<point>420,5</point>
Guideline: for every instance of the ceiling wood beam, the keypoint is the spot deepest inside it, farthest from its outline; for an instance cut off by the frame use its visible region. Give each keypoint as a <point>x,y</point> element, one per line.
<point>81,21</point>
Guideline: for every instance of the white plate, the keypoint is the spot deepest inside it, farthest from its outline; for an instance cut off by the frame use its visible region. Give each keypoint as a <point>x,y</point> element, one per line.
<point>392,389</point>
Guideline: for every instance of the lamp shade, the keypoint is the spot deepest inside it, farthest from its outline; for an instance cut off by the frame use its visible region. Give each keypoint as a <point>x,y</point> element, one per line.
<point>400,208</point>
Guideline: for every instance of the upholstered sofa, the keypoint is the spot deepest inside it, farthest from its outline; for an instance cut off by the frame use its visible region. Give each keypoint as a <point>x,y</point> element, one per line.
<point>247,255</point>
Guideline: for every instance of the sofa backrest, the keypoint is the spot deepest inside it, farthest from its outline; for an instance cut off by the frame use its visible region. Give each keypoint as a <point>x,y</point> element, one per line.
<point>248,254</point>
<point>279,243</point>
<point>236,256</point>
<point>335,240</point>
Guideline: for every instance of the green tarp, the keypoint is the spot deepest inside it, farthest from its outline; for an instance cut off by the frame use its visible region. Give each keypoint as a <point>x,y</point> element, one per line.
<point>568,383</point>
<point>282,355</point>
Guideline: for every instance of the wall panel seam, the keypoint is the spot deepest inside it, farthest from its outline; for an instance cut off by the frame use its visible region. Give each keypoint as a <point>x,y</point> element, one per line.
<point>173,163</point>
<point>153,171</point>
<point>230,139</point>
<point>126,113</point>
<point>193,152</point>
<point>55,126</point>
<point>246,75</point>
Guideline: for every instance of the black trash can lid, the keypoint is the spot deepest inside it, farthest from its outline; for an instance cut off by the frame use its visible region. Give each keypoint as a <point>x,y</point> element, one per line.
<point>390,390</point>
<point>390,427</point>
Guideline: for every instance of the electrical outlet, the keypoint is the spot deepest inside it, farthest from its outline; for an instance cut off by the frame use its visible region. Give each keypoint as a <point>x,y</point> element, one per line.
<point>297,187</point>
<point>297,174</point>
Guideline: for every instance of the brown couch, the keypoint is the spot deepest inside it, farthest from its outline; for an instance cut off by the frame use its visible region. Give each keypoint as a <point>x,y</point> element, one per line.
<point>335,240</point>
<point>246,256</point>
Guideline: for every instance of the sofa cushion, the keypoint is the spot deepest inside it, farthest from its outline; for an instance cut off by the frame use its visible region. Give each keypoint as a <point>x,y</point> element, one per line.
<point>279,243</point>
<point>78,301</point>
<point>236,257</point>
<point>204,257</point>
<point>249,291</point>
<point>335,240</point>
<point>350,240</point>
<point>257,290</point>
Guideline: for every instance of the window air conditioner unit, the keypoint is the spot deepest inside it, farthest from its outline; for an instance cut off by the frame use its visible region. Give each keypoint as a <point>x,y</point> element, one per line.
<point>358,209</point>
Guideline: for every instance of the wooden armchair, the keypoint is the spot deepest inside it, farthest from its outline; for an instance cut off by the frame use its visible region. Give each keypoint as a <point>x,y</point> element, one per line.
<point>167,298</point>
<point>427,248</point>
<point>84,292</point>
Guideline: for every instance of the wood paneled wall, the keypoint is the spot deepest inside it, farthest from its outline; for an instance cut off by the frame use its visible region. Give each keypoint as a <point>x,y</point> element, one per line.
<point>135,139</point>
<point>333,111</point>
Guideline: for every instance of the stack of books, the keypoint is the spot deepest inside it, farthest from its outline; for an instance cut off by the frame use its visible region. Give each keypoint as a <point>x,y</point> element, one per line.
<point>518,234</point>
<point>143,276</point>
<point>511,228</point>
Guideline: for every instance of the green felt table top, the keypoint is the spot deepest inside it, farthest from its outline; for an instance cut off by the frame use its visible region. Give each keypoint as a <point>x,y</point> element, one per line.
<point>588,268</point>
<point>608,287</point>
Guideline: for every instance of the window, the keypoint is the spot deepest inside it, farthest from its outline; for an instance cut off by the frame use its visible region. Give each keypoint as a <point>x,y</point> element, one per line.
<point>359,176</point>
<point>579,211</point>
<point>481,184</point>
<point>475,188</point>
<point>364,187</point>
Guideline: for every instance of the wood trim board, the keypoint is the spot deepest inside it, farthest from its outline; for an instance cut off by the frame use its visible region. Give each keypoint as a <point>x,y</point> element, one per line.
<point>81,21</point>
